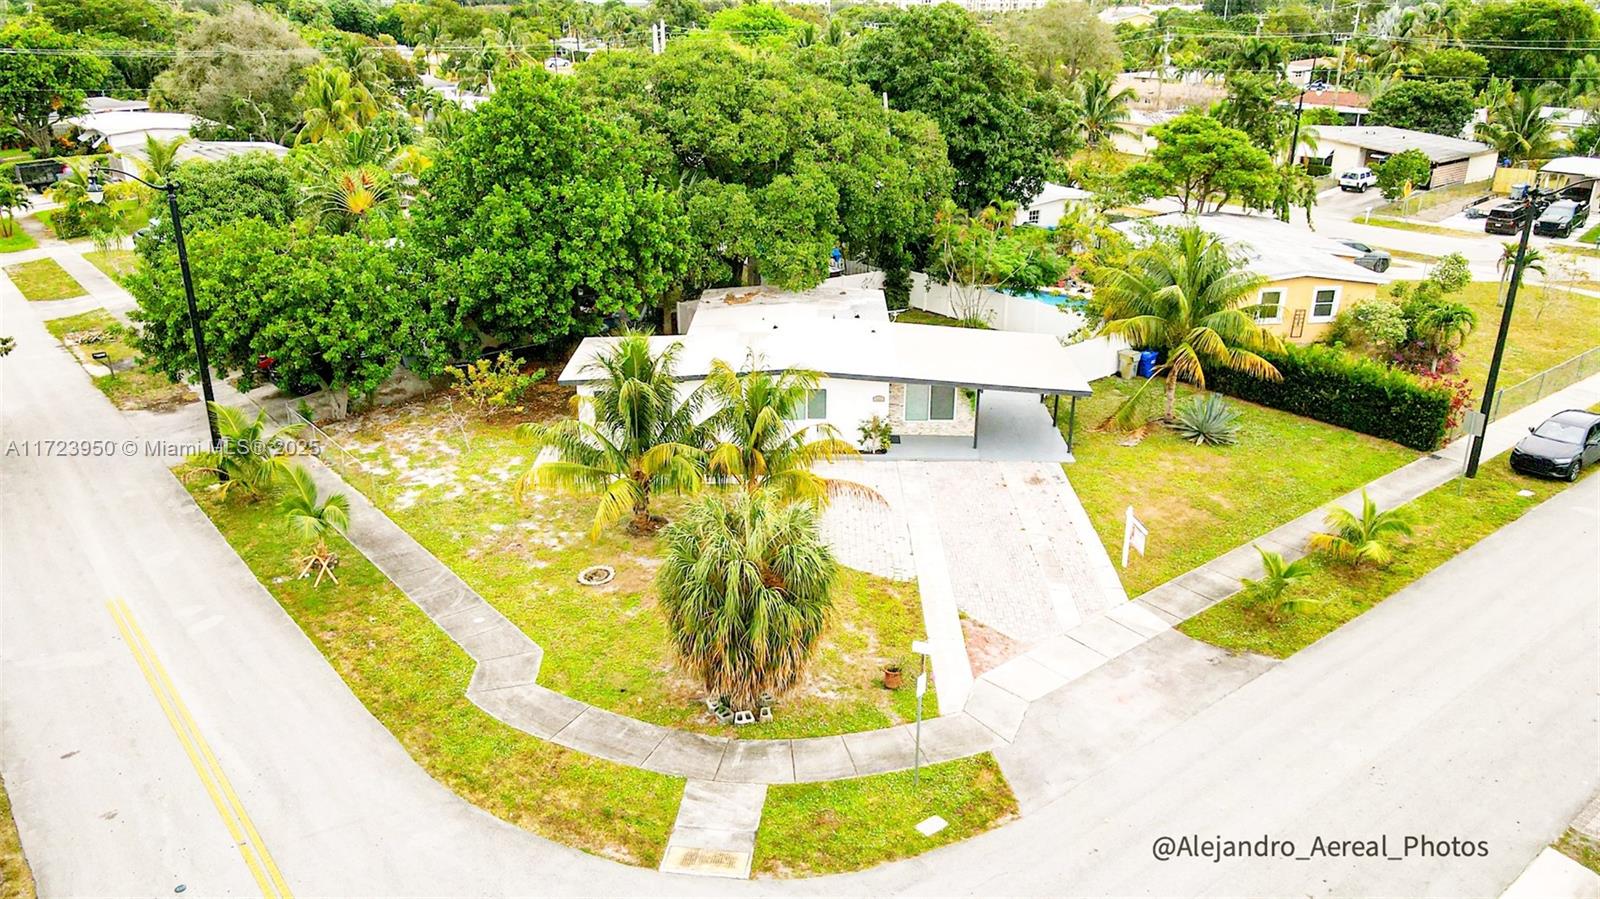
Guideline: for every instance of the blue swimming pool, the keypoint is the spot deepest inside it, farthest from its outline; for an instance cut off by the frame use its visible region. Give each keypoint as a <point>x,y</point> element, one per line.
<point>1054,299</point>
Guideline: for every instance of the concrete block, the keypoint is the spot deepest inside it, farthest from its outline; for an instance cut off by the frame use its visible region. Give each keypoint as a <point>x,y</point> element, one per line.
<point>611,736</point>
<point>1213,585</point>
<point>1025,678</point>
<point>877,751</point>
<point>1139,618</point>
<point>1177,600</point>
<point>709,805</point>
<point>1066,657</point>
<point>1105,636</point>
<point>821,758</point>
<point>757,761</point>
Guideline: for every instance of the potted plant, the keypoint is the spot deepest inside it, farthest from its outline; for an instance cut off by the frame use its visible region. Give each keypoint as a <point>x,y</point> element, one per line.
<point>892,677</point>
<point>875,435</point>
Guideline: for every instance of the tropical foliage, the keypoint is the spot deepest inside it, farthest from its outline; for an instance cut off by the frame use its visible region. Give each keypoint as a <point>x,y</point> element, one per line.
<point>1361,539</point>
<point>759,445</point>
<point>1270,592</point>
<point>252,454</point>
<point>311,517</point>
<point>1207,419</point>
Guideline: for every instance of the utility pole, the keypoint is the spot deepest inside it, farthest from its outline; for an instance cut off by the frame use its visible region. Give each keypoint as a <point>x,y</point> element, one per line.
<point>1476,452</point>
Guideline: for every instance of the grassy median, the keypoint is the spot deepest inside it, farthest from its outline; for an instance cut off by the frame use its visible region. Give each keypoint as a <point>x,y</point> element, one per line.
<point>131,385</point>
<point>43,279</point>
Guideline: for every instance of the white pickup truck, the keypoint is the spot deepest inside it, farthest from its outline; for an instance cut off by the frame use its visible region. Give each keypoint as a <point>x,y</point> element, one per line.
<point>1357,180</point>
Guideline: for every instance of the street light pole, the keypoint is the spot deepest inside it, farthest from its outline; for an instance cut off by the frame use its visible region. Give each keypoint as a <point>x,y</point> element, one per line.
<point>203,362</point>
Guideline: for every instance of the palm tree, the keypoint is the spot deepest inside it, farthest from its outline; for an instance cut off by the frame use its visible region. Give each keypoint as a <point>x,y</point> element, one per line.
<point>758,447</point>
<point>13,196</point>
<point>332,102</point>
<point>1358,540</point>
<point>1101,109</point>
<point>252,454</point>
<point>1188,296</point>
<point>160,157</point>
<point>1518,128</point>
<point>430,35</point>
<point>311,518</point>
<point>644,438</point>
<point>746,585</point>
<point>1267,593</point>
<point>1583,81</point>
<point>1532,260</point>
<point>344,201</point>
<point>1444,325</point>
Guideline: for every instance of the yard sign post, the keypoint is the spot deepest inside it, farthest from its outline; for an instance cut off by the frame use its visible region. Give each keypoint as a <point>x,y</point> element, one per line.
<point>1133,533</point>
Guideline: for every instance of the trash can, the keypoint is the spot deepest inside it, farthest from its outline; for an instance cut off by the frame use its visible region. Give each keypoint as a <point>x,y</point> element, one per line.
<point>1147,363</point>
<point>1127,363</point>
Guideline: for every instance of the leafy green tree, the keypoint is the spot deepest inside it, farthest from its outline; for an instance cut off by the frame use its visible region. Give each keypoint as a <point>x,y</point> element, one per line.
<point>239,69</point>
<point>311,516</point>
<point>251,454</point>
<point>635,437</point>
<point>250,185</point>
<point>305,312</point>
<point>1518,128</point>
<point>1062,40</point>
<point>40,79</point>
<point>1529,39</point>
<point>1362,539</point>
<point>762,24</point>
<point>1187,296</point>
<point>1203,162</point>
<point>539,222</point>
<point>1402,172</point>
<point>1449,63</point>
<point>1437,107</point>
<point>1259,106</point>
<point>758,445</point>
<point>938,61</point>
<point>141,19</point>
<point>678,14</point>
<point>746,585</point>
<point>975,254</point>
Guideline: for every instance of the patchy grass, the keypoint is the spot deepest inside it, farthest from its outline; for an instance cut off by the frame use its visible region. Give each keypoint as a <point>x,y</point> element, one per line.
<point>924,317</point>
<point>131,385</point>
<point>447,479</point>
<point>16,878</point>
<point>117,264</point>
<point>17,241</point>
<point>43,279</point>
<point>1402,225</point>
<point>1571,250</point>
<point>1592,235</point>
<point>1201,501</point>
<point>1446,520</point>
<point>413,678</point>
<point>1439,202</point>
<point>1583,849</point>
<point>847,825</point>
<point>1407,255</point>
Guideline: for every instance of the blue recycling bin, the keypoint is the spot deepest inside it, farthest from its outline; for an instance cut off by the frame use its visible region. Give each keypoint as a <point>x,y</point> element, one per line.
<point>1147,363</point>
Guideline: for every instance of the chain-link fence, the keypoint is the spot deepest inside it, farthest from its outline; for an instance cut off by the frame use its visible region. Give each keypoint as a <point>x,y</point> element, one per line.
<point>1544,383</point>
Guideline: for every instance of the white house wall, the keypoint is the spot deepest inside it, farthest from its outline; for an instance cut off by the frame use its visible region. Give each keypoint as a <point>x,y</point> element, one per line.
<point>849,404</point>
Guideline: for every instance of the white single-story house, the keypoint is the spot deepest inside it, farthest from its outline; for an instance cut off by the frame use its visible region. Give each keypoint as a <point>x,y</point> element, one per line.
<point>1455,161</point>
<point>1046,209</point>
<point>1299,72</point>
<point>945,392</point>
<point>1565,170</point>
<point>125,130</point>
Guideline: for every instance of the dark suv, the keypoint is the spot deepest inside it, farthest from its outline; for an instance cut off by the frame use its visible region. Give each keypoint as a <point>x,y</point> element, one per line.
<point>1506,218</point>
<point>1561,219</point>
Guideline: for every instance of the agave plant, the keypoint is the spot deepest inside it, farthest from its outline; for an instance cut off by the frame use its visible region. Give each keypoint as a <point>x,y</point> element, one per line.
<point>1268,593</point>
<point>746,585</point>
<point>313,518</point>
<point>1364,539</point>
<point>251,454</point>
<point>1207,419</point>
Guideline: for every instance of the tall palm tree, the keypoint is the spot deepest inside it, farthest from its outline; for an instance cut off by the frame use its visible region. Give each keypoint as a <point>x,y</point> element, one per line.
<point>1583,81</point>
<point>430,36</point>
<point>1101,109</point>
<point>160,157</point>
<point>13,196</point>
<point>759,447</point>
<point>252,453</point>
<point>311,517</point>
<point>644,438</point>
<point>331,103</point>
<point>1361,539</point>
<point>1518,128</point>
<point>1187,295</point>
<point>746,585</point>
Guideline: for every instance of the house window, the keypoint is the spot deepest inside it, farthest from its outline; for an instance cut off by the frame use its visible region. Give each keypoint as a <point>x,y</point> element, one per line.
<point>1324,303</point>
<point>1270,310</point>
<point>815,406</point>
<point>1033,216</point>
<point>930,402</point>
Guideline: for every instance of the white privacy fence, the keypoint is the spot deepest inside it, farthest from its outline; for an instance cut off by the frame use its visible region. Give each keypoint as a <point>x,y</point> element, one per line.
<point>1094,358</point>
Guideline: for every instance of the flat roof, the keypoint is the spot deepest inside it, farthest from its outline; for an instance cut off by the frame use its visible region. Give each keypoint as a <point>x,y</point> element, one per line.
<point>1385,139</point>
<point>1584,166</point>
<point>1276,250</point>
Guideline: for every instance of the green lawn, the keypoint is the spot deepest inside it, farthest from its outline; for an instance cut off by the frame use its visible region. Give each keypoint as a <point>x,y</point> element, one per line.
<point>1424,200</point>
<point>115,263</point>
<point>1202,501</point>
<point>1592,235</point>
<point>413,679</point>
<point>16,879</point>
<point>43,279</point>
<point>1575,251</point>
<point>1582,849</point>
<point>447,479</point>
<point>1446,520</point>
<point>847,825</point>
<point>924,317</point>
<point>1401,225</point>
<point>17,241</point>
<point>131,386</point>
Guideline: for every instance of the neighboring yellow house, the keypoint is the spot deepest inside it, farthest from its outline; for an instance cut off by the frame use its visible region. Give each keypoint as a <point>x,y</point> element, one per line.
<point>1310,278</point>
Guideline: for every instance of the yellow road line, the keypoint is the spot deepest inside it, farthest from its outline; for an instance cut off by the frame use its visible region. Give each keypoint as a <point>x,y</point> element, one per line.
<point>240,827</point>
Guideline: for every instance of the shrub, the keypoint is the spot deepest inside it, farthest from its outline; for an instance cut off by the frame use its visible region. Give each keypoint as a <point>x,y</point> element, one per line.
<point>1408,167</point>
<point>1377,326</point>
<point>1207,420</point>
<point>1267,594</point>
<point>494,385</point>
<point>875,434</point>
<point>1363,395</point>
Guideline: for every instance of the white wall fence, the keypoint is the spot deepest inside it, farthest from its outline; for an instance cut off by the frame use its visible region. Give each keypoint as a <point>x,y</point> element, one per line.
<point>1094,358</point>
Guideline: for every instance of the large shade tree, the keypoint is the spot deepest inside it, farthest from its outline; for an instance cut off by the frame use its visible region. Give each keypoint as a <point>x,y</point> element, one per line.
<point>239,70</point>
<point>1204,163</point>
<point>44,74</point>
<point>1532,39</point>
<point>746,585</point>
<point>1189,297</point>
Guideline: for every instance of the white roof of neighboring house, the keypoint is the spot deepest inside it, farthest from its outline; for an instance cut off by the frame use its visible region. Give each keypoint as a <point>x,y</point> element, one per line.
<point>1385,139</point>
<point>126,130</point>
<point>1057,193</point>
<point>841,330</point>
<point>1584,166</point>
<point>451,91</point>
<point>1276,250</point>
<point>114,104</point>
<point>217,150</point>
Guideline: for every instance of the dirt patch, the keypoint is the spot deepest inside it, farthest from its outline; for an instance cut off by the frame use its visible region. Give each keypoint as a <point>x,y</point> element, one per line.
<point>987,648</point>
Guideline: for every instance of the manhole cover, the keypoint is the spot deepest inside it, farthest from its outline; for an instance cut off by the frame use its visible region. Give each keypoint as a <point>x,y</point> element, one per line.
<point>596,575</point>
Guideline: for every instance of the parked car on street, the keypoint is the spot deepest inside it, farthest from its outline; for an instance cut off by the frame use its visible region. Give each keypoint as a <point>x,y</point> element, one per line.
<point>1370,258</point>
<point>1561,219</point>
<point>1358,180</point>
<point>1560,447</point>
<point>1506,218</point>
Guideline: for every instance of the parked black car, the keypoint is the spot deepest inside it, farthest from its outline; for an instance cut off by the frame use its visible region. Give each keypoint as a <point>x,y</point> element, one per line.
<point>1506,218</point>
<point>1561,219</point>
<point>1561,447</point>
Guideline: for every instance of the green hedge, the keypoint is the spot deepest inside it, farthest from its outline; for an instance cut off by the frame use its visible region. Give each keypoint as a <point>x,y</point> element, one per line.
<point>1360,394</point>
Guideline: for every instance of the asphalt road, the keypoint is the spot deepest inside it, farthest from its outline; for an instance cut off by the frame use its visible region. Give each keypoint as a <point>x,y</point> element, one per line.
<point>1464,707</point>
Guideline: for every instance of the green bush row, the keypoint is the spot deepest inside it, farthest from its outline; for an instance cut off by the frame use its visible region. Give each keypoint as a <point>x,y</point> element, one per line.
<point>1363,395</point>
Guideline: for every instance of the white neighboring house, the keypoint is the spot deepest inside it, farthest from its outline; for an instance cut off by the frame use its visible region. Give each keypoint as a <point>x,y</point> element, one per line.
<point>124,130</point>
<point>932,384</point>
<point>1046,209</point>
<point>1455,161</point>
<point>114,104</point>
<point>1563,121</point>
